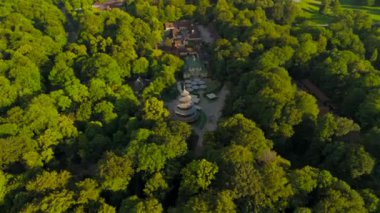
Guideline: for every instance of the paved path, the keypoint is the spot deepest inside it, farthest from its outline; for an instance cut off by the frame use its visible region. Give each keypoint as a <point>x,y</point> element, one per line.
<point>213,110</point>
<point>179,87</point>
<point>206,34</point>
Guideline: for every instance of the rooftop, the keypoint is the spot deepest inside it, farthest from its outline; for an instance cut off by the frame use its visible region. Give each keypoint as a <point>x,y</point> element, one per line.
<point>108,4</point>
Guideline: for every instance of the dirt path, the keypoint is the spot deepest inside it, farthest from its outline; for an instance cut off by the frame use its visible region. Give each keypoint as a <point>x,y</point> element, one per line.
<point>72,36</point>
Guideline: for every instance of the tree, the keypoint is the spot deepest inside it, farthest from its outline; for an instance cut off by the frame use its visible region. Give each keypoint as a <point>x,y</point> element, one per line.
<point>155,184</point>
<point>255,188</point>
<point>197,175</point>
<point>339,197</point>
<point>369,110</point>
<point>140,66</point>
<point>88,190</point>
<point>242,131</point>
<point>210,202</point>
<point>284,11</point>
<point>370,199</point>
<point>114,172</point>
<point>304,182</point>
<point>23,76</point>
<point>3,185</point>
<point>104,67</point>
<point>154,110</point>
<point>348,161</point>
<point>12,150</point>
<point>202,8</point>
<point>104,110</point>
<point>49,181</point>
<point>270,98</point>
<point>59,201</point>
<point>8,93</point>
<point>274,57</point>
<point>151,158</point>
<point>136,205</point>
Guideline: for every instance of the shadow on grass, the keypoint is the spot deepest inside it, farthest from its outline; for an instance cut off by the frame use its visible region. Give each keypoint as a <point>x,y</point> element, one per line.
<point>314,4</point>
<point>374,10</point>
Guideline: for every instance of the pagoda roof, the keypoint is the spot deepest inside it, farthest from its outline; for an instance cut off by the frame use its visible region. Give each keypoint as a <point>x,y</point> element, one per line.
<point>185,99</point>
<point>186,112</point>
<point>185,105</point>
<point>188,119</point>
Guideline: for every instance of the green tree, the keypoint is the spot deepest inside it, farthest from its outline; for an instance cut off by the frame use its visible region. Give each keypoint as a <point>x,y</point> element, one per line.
<point>114,172</point>
<point>140,66</point>
<point>348,161</point>
<point>197,175</point>
<point>104,67</point>
<point>154,110</point>
<point>151,158</point>
<point>370,199</point>
<point>3,186</point>
<point>242,131</point>
<point>48,181</point>
<point>54,202</point>
<point>211,202</point>
<point>339,197</point>
<point>135,205</point>
<point>88,190</point>
<point>154,184</point>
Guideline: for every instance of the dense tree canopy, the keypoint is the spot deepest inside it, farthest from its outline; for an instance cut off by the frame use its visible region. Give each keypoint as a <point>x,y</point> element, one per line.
<point>77,136</point>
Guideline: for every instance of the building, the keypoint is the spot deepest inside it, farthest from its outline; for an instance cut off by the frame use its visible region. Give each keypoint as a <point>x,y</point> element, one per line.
<point>194,68</point>
<point>185,110</point>
<point>108,5</point>
<point>169,26</point>
<point>138,85</point>
<point>183,34</point>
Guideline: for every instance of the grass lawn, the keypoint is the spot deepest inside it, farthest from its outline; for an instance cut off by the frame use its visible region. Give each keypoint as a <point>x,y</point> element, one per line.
<point>373,11</point>
<point>311,10</point>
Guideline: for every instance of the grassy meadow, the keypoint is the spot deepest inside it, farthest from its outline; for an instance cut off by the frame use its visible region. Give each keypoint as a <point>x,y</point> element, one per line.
<point>311,10</point>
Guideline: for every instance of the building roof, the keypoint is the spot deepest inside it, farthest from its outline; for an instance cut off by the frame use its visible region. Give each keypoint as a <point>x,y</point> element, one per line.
<point>195,33</point>
<point>108,4</point>
<point>138,85</point>
<point>185,109</point>
<point>183,24</point>
<point>211,96</point>
<point>185,99</point>
<point>169,25</point>
<point>185,93</point>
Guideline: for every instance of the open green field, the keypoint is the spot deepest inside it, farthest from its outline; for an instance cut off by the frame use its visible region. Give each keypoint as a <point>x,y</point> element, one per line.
<point>373,11</point>
<point>311,10</point>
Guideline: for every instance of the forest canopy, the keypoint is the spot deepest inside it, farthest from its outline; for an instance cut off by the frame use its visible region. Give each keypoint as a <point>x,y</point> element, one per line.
<point>76,135</point>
